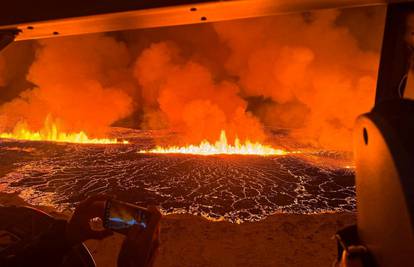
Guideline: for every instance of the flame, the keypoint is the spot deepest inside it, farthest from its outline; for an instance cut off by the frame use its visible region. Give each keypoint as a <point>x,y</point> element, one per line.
<point>220,147</point>
<point>50,132</point>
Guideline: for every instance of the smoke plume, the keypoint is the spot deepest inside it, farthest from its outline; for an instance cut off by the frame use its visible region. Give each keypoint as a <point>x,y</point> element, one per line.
<point>314,71</point>
<point>311,74</point>
<point>79,84</point>
<point>190,97</point>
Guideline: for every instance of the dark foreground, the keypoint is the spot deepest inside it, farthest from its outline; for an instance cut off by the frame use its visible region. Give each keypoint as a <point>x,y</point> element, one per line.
<point>190,241</point>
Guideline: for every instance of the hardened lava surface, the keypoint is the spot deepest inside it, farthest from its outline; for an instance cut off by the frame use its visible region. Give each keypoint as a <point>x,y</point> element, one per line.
<point>234,188</point>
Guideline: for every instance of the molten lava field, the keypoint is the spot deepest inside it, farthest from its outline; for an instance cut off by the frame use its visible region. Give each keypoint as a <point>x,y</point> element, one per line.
<point>235,188</point>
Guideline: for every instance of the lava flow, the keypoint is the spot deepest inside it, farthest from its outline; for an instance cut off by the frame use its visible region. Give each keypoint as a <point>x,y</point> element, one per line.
<point>220,147</point>
<point>51,133</point>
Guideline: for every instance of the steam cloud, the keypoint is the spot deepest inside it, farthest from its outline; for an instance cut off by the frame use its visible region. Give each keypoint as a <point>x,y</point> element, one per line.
<point>309,73</point>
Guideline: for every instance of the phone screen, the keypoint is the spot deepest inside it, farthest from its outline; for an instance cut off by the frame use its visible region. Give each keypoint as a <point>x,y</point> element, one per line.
<point>121,216</point>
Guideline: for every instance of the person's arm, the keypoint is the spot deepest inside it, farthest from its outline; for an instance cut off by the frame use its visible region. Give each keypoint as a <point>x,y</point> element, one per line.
<point>50,247</point>
<point>140,246</point>
<point>46,250</point>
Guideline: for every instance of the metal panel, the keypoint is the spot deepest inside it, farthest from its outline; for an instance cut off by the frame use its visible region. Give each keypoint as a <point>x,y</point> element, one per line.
<point>383,149</point>
<point>394,63</point>
<point>47,18</point>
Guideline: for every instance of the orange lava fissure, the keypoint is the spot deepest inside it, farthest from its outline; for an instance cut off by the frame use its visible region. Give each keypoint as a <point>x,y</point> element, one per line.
<point>220,147</point>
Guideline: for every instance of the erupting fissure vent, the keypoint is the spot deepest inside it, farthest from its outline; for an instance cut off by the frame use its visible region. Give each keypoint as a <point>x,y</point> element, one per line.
<point>220,147</point>
<point>52,133</point>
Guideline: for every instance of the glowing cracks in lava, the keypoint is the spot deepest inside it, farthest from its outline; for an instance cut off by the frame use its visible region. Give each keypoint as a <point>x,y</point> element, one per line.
<point>220,147</point>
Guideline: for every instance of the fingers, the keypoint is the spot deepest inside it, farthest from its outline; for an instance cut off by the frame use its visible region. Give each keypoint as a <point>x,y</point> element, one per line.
<point>141,245</point>
<point>154,220</point>
<point>96,224</point>
<point>134,232</point>
<point>93,206</point>
<point>92,199</point>
<point>156,214</point>
<point>150,233</point>
<point>100,234</point>
<point>157,234</point>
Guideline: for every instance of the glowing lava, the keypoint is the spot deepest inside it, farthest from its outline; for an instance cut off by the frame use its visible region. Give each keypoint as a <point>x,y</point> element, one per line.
<point>220,147</point>
<point>51,133</point>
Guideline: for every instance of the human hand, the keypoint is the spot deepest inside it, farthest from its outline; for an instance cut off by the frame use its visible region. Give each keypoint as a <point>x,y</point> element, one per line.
<point>79,228</point>
<point>140,245</point>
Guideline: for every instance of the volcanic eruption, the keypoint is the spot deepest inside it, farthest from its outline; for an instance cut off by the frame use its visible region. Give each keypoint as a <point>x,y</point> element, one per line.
<point>51,133</point>
<point>220,147</point>
<point>285,87</point>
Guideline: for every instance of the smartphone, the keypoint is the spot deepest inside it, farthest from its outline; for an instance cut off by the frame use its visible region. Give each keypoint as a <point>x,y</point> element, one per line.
<point>120,216</point>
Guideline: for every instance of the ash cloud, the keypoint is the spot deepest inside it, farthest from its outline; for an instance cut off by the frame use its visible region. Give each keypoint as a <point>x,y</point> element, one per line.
<point>312,74</point>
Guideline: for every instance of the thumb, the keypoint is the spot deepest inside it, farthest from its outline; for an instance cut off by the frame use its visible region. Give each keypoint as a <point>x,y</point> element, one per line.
<point>101,234</point>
